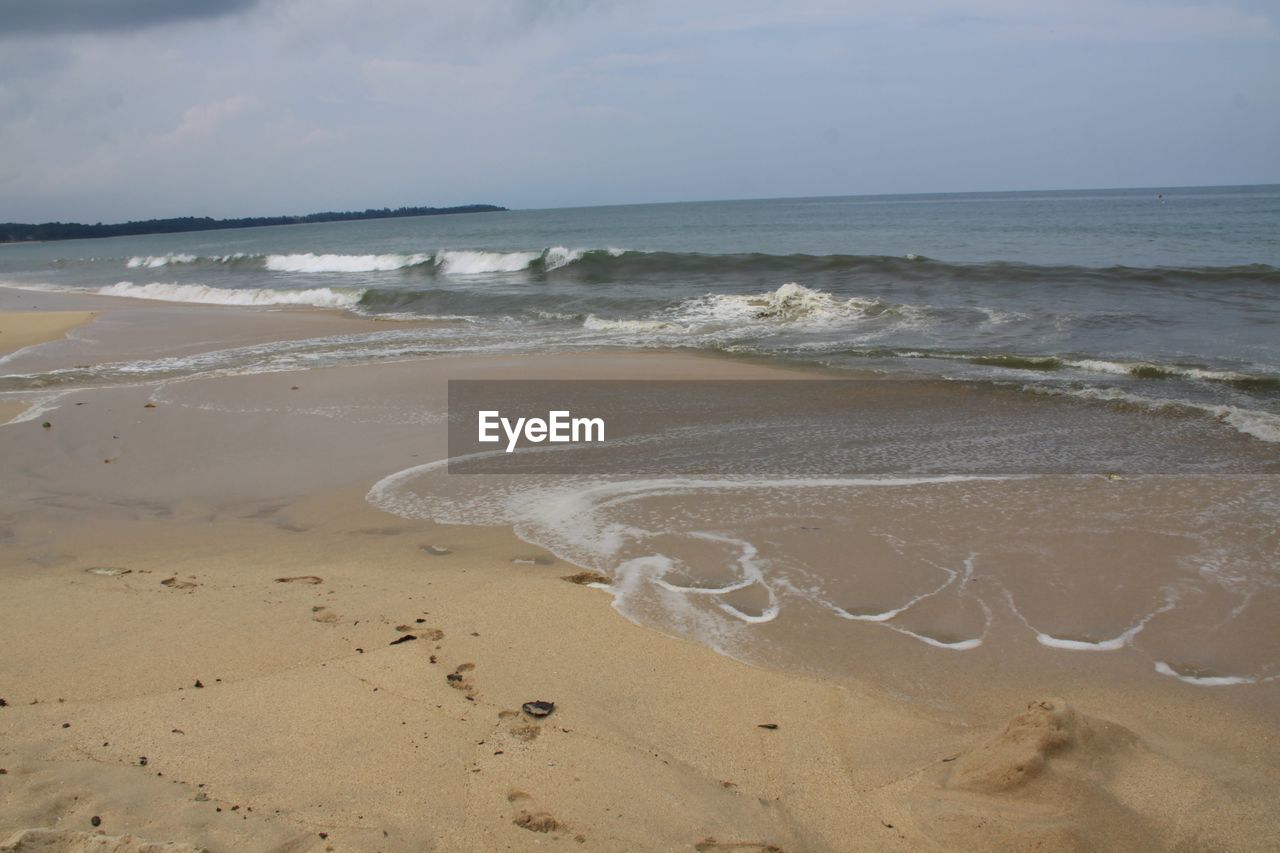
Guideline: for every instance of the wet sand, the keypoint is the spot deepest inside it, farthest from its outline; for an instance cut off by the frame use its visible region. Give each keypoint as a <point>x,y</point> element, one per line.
<point>201,614</point>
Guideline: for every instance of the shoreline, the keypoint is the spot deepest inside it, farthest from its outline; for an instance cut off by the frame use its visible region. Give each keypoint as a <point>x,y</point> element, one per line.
<point>145,533</point>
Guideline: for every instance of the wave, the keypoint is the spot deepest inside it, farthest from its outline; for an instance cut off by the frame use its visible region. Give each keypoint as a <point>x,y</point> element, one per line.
<point>319,297</point>
<point>1264,426</point>
<point>446,261</point>
<point>308,262</point>
<point>1260,383</point>
<point>1148,370</point>
<point>153,261</point>
<point>910,267</point>
<point>789,305</point>
<point>614,262</point>
<point>474,263</point>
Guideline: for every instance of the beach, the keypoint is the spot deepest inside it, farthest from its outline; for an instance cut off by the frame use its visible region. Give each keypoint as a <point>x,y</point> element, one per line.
<point>206,613</point>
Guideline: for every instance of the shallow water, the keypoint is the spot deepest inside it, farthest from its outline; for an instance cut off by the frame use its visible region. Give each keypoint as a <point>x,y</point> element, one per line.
<point>797,517</point>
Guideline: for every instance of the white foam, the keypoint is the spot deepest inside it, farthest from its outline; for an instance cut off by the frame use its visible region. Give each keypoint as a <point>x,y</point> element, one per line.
<point>1111,645</point>
<point>154,261</point>
<point>479,263</point>
<point>717,316</point>
<point>957,646</point>
<point>576,520</point>
<point>1095,365</point>
<point>320,297</point>
<point>1129,368</point>
<point>308,262</point>
<point>558,256</point>
<point>1263,426</point>
<point>887,615</point>
<point>38,406</point>
<point>1203,681</point>
<point>602,324</point>
<point>791,303</point>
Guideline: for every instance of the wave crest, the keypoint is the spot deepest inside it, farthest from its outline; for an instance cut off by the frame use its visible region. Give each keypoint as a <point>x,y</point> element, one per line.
<point>155,261</point>
<point>319,297</point>
<point>308,262</point>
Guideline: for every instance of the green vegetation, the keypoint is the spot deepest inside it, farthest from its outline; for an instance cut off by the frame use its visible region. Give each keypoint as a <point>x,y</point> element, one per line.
<point>13,232</point>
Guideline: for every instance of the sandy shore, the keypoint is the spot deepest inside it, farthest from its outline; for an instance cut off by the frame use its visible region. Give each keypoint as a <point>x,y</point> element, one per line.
<point>204,623</point>
<point>20,329</point>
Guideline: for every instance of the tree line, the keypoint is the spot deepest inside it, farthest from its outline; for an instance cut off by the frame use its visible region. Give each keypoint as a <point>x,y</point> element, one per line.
<point>14,232</point>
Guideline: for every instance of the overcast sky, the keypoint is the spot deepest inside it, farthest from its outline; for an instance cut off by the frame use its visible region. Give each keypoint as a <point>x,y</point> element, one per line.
<point>118,109</point>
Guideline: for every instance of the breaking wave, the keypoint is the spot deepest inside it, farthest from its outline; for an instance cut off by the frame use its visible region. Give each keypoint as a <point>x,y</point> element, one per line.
<point>307,262</point>
<point>153,261</point>
<point>790,305</point>
<point>623,262</point>
<point>319,297</point>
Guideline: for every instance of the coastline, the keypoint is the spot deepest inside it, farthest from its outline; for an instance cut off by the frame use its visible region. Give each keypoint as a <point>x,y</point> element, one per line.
<point>126,584</point>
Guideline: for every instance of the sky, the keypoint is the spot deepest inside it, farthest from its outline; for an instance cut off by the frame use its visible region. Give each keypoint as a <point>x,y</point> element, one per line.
<point>129,109</point>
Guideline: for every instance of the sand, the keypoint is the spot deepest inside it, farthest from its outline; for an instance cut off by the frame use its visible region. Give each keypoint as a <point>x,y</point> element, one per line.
<point>19,329</point>
<point>202,623</point>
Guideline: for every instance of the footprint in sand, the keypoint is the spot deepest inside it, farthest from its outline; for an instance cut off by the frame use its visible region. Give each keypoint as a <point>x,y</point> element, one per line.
<point>174,583</point>
<point>320,613</point>
<point>459,680</point>
<point>534,821</point>
<point>311,579</point>
<point>518,728</point>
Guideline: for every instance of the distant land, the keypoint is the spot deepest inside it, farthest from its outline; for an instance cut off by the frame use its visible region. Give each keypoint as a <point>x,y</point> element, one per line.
<point>13,232</point>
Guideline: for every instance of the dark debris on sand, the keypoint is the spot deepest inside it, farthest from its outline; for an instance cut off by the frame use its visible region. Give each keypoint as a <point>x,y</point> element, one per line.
<point>584,578</point>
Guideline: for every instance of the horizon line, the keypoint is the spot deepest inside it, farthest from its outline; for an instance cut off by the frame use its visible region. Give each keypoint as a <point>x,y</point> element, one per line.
<point>878,195</point>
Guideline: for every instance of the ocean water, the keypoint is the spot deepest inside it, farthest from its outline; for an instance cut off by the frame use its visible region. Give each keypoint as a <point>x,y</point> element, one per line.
<point>1155,297</point>
<point>1128,330</point>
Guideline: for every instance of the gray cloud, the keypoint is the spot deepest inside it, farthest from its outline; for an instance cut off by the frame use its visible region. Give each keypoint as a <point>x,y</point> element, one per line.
<point>344,104</point>
<point>19,17</point>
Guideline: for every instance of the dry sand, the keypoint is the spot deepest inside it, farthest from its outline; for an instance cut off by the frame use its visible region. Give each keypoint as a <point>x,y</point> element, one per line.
<point>199,616</point>
<point>22,329</point>
<point>19,329</point>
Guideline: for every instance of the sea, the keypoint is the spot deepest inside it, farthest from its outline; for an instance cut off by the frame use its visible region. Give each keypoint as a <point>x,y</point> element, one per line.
<point>1166,297</point>
<point>1140,328</point>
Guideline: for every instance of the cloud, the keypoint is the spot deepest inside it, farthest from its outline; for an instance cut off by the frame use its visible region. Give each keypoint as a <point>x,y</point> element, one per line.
<point>336,104</point>
<point>204,120</point>
<point>24,17</point>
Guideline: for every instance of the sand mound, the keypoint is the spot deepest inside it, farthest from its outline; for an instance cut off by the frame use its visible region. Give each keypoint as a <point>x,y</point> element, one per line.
<point>1041,782</point>
<point>1047,730</point>
<point>66,841</point>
